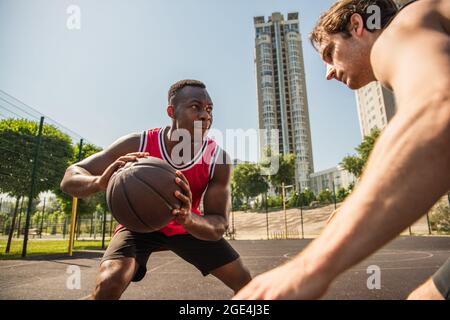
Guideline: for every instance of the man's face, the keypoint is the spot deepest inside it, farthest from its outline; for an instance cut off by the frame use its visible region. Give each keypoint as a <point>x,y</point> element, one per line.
<point>348,60</point>
<point>193,105</point>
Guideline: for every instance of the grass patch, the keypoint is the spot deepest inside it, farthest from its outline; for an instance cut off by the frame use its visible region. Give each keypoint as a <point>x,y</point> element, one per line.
<point>41,247</point>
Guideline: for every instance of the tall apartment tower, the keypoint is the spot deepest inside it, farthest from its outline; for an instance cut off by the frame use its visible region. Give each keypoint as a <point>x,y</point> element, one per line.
<point>376,107</point>
<point>281,87</point>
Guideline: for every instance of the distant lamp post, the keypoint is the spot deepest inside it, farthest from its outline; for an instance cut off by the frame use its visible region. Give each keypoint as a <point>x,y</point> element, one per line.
<point>334,195</point>
<point>301,209</point>
<point>283,195</point>
<point>328,191</point>
<point>428,222</point>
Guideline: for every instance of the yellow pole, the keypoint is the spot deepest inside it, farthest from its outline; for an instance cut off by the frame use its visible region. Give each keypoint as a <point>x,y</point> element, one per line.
<point>284,208</point>
<point>74,208</point>
<point>72,225</point>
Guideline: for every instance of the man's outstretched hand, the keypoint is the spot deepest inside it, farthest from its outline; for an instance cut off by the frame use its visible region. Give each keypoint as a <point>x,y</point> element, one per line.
<point>290,281</point>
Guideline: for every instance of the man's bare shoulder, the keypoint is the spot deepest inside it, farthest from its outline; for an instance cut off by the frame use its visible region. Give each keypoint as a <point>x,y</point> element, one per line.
<point>419,24</point>
<point>98,162</point>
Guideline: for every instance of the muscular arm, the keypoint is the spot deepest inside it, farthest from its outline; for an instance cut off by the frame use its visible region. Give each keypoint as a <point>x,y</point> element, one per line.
<point>216,204</point>
<point>409,168</point>
<point>87,176</point>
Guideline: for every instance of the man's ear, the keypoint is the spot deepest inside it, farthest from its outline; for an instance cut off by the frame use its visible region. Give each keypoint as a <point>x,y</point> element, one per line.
<point>171,111</point>
<point>356,25</point>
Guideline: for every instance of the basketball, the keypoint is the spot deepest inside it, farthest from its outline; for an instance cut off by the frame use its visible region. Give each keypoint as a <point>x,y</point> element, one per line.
<point>141,196</point>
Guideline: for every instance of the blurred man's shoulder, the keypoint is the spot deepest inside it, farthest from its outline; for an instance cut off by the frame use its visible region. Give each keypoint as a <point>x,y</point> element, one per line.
<point>420,15</point>
<point>409,30</point>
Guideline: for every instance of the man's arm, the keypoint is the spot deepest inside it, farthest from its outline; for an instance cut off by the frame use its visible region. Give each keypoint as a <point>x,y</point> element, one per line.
<point>92,174</point>
<point>216,204</point>
<point>407,172</point>
<point>409,169</point>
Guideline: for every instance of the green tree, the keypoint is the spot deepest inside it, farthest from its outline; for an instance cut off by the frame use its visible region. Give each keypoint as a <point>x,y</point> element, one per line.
<point>325,196</point>
<point>341,194</point>
<point>86,205</point>
<point>293,201</point>
<point>302,199</point>
<point>248,182</point>
<point>18,139</point>
<point>440,216</point>
<point>275,201</point>
<point>17,144</point>
<point>236,197</point>
<point>355,164</point>
<point>307,197</point>
<point>286,172</point>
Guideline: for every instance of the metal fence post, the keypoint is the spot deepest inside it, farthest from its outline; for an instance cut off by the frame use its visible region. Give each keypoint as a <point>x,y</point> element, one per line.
<point>65,227</point>
<point>283,196</point>
<point>334,195</point>
<point>301,212</point>
<point>42,219</point>
<point>33,186</point>
<point>20,218</point>
<point>267,215</point>
<point>11,229</point>
<point>74,210</point>
<point>104,228</point>
<point>428,222</point>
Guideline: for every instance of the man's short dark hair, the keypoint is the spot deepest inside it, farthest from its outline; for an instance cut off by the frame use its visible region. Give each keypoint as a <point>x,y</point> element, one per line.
<point>176,87</point>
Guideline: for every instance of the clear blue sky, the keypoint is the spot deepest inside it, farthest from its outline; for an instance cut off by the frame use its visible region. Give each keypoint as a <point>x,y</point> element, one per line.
<point>112,76</point>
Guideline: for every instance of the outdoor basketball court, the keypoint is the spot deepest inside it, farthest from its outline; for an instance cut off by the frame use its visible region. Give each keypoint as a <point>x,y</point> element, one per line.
<point>405,263</point>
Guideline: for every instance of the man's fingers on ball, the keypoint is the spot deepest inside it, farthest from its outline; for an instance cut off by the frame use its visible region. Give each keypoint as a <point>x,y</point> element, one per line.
<point>128,158</point>
<point>138,154</point>
<point>181,196</point>
<point>115,165</point>
<point>181,183</point>
<point>182,177</point>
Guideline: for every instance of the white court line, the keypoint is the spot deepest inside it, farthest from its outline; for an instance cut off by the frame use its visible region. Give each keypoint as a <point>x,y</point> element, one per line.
<point>19,265</point>
<point>260,257</point>
<point>374,256</point>
<point>148,271</point>
<point>428,255</point>
<point>397,268</point>
<point>163,265</point>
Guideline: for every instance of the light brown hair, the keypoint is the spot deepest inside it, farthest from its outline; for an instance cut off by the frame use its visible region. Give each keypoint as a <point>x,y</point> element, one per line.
<point>337,18</point>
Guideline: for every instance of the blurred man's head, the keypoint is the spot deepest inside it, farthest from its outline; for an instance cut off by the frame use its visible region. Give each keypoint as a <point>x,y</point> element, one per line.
<point>345,34</point>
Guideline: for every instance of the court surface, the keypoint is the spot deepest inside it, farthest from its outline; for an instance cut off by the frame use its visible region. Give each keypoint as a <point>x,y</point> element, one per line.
<point>405,263</point>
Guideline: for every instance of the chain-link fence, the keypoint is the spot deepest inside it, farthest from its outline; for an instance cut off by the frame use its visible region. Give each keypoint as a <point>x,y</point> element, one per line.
<point>43,227</point>
<point>34,154</point>
<point>302,222</point>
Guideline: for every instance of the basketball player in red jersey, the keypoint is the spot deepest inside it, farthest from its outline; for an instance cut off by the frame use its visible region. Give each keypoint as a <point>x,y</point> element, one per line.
<point>195,236</point>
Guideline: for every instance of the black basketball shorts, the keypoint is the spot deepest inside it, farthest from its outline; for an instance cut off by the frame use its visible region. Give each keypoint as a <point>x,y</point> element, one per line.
<point>206,256</point>
<point>441,280</point>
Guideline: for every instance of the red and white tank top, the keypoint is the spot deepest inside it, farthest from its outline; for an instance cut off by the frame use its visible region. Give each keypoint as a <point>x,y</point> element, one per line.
<point>199,171</point>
